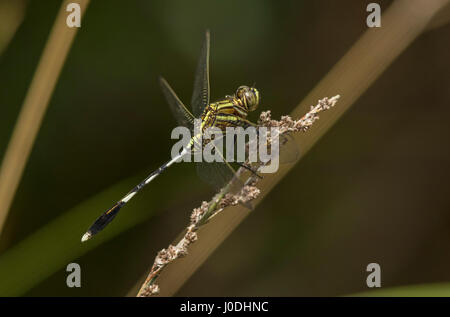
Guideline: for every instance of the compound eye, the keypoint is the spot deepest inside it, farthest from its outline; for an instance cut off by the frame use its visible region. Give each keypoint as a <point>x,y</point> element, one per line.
<point>250,97</point>
<point>253,100</point>
<point>240,92</point>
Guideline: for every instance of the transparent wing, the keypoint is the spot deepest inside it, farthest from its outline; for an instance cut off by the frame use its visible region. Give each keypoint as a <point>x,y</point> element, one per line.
<point>200,94</point>
<point>289,152</point>
<point>219,174</point>
<point>216,174</point>
<point>180,112</point>
<point>287,149</point>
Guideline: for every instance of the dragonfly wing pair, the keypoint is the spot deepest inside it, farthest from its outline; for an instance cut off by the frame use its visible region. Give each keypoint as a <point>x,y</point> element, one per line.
<point>200,94</point>
<point>215,173</point>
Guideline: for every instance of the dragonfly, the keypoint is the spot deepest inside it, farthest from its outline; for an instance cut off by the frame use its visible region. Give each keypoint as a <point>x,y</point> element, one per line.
<point>231,111</point>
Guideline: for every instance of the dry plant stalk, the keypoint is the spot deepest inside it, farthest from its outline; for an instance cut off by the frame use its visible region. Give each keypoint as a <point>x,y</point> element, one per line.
<point>34,107</point>
<point>11,16</point>
<point>201,215</point>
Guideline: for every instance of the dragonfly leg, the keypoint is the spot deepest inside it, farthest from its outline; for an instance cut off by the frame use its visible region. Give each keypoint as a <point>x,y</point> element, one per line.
<point>249,169</point>
<point>246,123</point>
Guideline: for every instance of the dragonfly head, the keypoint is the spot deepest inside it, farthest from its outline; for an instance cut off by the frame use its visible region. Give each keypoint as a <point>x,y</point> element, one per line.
<point>249,96</point>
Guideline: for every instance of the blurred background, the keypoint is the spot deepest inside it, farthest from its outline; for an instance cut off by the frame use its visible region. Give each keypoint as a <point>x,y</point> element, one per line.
<point>372,190</point>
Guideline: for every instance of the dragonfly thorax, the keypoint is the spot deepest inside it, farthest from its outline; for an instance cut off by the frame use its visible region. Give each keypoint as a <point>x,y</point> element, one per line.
<point>229,112</point>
